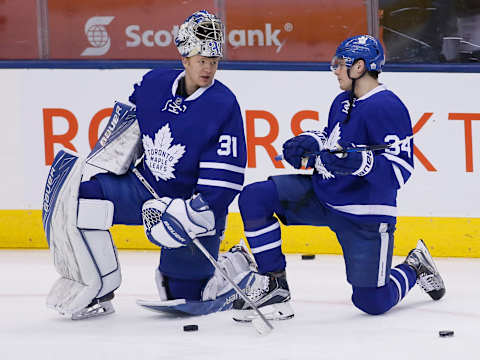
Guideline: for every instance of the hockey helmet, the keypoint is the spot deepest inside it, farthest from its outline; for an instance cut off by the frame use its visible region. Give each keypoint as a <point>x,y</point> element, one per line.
<point>200,34</point>
<point>363,47</point>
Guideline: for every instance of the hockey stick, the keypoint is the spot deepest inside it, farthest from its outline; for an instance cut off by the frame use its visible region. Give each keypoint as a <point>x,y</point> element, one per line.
<point>353,149</point>
<point>263,327</point>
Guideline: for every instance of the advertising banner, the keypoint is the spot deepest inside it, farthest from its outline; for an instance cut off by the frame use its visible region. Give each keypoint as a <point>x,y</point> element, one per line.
<point>51,109</point>
<point>254,30</point>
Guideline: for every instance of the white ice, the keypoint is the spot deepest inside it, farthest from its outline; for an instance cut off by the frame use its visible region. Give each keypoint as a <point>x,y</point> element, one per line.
<point>325,326</point>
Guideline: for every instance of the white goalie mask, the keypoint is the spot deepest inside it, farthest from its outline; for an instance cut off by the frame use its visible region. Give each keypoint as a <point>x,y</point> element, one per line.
<point>200,34</point>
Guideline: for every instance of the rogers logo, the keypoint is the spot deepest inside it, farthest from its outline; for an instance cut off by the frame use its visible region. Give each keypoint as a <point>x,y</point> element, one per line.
<point>236,37</point>
<point>97,35</point>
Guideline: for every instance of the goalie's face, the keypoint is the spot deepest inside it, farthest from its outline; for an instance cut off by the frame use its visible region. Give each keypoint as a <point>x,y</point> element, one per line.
<point>199,71</point>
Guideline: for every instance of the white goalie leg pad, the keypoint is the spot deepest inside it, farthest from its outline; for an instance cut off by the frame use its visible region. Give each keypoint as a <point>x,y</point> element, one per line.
<point>85,259</point>
<point>95,217</point>
<point>79,282</point>
<point>236,265</point>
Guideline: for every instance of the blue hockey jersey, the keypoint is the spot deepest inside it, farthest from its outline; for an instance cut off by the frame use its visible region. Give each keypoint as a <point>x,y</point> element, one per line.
<point>376,118</point>
<point>191,145</point>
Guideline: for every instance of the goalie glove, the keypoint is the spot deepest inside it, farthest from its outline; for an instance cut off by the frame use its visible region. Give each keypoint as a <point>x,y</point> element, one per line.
<point>172,223</point>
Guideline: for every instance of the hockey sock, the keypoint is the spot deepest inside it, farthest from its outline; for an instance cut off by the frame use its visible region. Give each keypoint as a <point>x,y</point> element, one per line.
<point>378,300</point>
<point>257,203</point>
<point>184,289</point>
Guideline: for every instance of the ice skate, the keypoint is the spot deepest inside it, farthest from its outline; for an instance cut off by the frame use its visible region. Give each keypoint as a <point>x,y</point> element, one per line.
<point>270,293</point>
<point>428,276</point>
<point>98,307</point>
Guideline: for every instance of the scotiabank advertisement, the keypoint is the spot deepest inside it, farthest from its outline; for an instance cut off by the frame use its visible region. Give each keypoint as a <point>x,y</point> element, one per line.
<point>274,30</point>
<point>51,109</point>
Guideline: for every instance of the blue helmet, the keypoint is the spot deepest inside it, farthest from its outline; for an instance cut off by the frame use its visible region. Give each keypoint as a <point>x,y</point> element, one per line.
<point>364,47</point>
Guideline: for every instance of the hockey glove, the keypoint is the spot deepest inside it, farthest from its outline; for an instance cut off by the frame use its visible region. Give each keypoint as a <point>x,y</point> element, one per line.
<point>306,143</point>
<point>173,223</point>
<point>353,163</point>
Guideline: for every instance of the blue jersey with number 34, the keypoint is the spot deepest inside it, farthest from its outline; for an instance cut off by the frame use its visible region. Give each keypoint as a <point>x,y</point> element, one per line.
<point>194,144</point>
<point>378,117</point>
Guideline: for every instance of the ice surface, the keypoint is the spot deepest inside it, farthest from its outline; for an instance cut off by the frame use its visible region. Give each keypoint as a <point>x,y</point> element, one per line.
<point>325,326</point>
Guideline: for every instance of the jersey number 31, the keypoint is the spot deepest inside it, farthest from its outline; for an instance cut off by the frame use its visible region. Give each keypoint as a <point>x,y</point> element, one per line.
<point>228,145</point>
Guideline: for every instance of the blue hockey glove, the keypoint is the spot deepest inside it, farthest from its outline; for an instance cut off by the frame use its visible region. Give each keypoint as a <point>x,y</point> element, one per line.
<point>353,163</point>
<point>297,147</point>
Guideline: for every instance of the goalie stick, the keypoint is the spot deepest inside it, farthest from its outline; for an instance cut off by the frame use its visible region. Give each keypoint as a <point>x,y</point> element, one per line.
<point>263,327</point>
<point>352,149</point>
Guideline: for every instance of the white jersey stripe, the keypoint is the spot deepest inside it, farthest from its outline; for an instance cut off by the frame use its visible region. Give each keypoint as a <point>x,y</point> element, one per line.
<point>222,166</point>
<point>382,262</point>
<point>398,175</point>
<point>400,297</point>
<point>262,231</point>
<point>219,183</point>
<point>399,161</point>
<point>405,277</point>
<point>266,247</point>
<point>366,209</point>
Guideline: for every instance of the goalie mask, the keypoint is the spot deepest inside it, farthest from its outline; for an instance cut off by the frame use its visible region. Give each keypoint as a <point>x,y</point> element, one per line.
<point>363,47</point>
<point>200,34</point>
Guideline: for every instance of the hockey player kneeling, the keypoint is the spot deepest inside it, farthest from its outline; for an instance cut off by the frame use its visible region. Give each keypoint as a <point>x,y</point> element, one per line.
<point>353,191</point>
<point>185,138</point>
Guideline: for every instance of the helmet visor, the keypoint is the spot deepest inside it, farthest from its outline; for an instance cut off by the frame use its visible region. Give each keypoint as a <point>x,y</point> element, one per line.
<point>337,61</point>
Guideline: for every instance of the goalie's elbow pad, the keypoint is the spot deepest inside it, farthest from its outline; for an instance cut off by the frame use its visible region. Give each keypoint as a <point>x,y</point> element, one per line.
<point>173,223</point>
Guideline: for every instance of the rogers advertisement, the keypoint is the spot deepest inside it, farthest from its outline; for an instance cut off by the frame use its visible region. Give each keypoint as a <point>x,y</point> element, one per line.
<point>51,109</point>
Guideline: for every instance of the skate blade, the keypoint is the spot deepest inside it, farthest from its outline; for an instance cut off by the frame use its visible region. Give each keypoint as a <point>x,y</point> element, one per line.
<point>100,309</point>
<point>281,311</point>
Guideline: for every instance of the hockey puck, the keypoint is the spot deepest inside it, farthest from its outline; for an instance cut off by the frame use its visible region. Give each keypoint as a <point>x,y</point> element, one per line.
<point>445,333</point>
<point>190,328</point>
<point>308,257</point>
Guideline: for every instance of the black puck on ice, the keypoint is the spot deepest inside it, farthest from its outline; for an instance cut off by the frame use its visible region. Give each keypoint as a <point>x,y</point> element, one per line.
<point>308,257</point>
<point>190,328</point>
<point>445,333</point>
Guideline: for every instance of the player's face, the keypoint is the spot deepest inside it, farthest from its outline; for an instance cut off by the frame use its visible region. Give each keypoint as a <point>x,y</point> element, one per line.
<point>199,70</point>
<point>340,71</point>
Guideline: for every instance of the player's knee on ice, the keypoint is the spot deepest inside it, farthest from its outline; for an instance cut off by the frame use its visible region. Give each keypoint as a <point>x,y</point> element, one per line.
<point>374,301</point>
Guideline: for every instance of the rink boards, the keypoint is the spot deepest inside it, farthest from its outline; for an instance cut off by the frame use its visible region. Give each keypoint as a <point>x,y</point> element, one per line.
<point>48,109</point>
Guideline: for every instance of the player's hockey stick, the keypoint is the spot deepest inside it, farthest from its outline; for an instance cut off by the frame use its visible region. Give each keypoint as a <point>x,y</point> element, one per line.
<point>353,149</point>
<point>261,324</point>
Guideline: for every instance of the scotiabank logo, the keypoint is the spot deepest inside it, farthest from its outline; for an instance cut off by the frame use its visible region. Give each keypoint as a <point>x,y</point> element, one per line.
<point>97,35</point>
<point>266,36</point>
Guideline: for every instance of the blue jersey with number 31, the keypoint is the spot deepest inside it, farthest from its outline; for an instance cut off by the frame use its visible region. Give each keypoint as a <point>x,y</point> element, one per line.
<point>194,144</point>
<point>378,117</point>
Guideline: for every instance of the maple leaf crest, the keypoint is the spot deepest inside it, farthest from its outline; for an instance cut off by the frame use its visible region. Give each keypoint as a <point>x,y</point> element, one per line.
<point>330,144</point>
<point>161,155</point>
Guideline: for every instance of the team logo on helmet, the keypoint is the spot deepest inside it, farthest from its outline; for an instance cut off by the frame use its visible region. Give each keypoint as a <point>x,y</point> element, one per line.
<point>363,47</point>
<point>201,34</point>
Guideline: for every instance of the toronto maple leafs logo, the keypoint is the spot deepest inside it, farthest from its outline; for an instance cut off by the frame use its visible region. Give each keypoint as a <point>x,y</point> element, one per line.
<point>175,106</point>
<point>161,155</point>
<point>330,144</point>
<point>346,105</point>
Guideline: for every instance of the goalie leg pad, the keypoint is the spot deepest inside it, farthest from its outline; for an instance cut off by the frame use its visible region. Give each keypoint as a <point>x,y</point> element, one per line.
<point>81,277</point>
<point>237,264</point>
